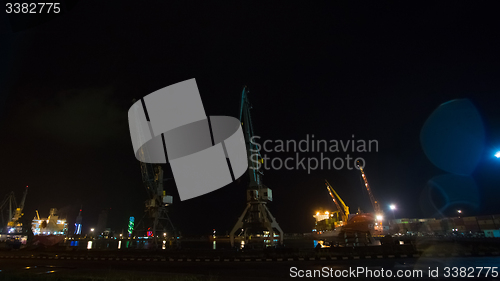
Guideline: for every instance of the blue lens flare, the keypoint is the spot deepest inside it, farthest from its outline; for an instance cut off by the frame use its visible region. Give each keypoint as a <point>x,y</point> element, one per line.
<point>453,137</point>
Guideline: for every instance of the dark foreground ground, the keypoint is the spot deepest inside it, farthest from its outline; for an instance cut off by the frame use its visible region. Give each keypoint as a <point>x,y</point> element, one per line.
<point>424,260</point>
<point>69,269</point>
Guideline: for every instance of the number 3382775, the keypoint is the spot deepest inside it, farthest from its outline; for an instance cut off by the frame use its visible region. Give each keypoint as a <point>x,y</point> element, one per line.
<point>32,8</point>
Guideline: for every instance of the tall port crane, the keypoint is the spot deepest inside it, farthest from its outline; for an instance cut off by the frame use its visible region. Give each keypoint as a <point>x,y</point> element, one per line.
<point>256,219</point>
<point>375,204</point>
<point>155,223</point>
<point>342,207</point>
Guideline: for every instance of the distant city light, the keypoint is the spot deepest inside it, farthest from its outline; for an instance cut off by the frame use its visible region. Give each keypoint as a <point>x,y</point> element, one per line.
<point>131,223</point>
<point>497,155</point>
<point>92,230</point>
<point>78,228</point>
<point>459,211</point>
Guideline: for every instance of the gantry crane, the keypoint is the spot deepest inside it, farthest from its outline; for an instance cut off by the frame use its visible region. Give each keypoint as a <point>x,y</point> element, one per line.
<point>256,219</point>
<point>342,207</point>
<point>375,204</point>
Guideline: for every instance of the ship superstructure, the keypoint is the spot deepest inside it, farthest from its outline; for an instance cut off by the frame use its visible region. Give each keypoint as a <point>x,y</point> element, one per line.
<point>49,231</point>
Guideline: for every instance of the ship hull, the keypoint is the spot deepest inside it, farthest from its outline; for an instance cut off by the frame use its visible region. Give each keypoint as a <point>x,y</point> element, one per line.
<point>322,235</point>
<point>47,240</point>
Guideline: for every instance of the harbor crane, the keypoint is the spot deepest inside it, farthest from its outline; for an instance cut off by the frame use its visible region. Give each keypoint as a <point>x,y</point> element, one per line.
<point>155,223</point>
<point>15,212</point>
<point>156,213</point>
<point>256,220</point>
<point>342,207</point>
<point>376,206</point>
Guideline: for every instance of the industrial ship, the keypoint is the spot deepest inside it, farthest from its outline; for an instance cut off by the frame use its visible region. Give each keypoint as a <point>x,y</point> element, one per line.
<point>343,228</point>
<point>49,231</point>
<point>327,225</point>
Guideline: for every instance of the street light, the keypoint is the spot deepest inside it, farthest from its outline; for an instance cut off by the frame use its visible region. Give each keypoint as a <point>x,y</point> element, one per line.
<point>393,207</point>
<point>497,155</point>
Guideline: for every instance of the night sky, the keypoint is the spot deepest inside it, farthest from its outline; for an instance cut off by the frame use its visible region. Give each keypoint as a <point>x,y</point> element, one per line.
<point>373,70</point>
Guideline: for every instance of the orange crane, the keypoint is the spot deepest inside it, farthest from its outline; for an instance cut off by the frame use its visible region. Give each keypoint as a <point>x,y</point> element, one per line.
<point>376,207</point>
<point>343,209</point>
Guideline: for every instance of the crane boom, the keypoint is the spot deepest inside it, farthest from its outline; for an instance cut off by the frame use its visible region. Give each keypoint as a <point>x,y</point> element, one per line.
<point>10,197</point>
<point>342,207</point>
<point>20,209</point>
<point>15,214</point>
<point>375,204</point>
<point>246,120</point>
<point>21,206</point>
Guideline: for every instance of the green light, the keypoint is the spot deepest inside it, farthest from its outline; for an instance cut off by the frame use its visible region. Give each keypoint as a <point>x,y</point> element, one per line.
<point>131,225</point>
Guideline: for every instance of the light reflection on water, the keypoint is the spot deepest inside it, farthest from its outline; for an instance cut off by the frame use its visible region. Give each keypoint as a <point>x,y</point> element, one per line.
<point>144,244</point>
<point>115,244</point>
<point>319,243</point>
